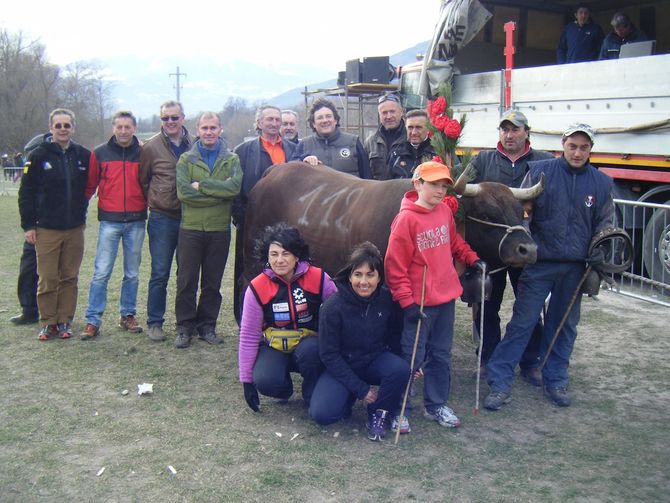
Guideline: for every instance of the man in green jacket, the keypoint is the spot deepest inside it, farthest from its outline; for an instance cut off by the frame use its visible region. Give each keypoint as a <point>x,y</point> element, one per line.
<point>209,177</point>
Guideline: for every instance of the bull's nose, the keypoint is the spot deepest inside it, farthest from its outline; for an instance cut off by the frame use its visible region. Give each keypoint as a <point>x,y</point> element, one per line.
<point>528,251</point>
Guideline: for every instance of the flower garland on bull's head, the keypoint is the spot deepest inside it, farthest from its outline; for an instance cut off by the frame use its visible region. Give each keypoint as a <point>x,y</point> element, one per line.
<point>445,133</point>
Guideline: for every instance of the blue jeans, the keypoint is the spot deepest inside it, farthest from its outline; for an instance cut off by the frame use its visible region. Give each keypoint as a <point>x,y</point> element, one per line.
<point>433,352</point>
<point>535,283</point>
<point>332,401</point>
<point>132,236</point>
<point>163,236</point>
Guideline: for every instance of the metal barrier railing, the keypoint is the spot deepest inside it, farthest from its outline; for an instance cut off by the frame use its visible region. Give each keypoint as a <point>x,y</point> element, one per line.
<point>648,225</point>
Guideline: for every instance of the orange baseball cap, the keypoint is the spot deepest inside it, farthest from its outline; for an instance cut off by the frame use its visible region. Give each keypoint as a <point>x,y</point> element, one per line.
<point>432,171</point>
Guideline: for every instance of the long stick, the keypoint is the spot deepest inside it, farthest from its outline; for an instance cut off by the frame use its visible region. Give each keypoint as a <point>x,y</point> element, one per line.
<point>481,339</point>
<point>416,344</point>
<point>565,317</point>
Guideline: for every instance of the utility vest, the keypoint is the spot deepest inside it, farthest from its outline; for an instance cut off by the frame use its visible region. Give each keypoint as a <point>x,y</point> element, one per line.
<point>291,305</point>
<point>337,151</point>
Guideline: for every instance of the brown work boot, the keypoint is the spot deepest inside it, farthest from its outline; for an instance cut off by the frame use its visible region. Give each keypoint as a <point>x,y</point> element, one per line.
<point>129,323</point>
<point>89,332</point>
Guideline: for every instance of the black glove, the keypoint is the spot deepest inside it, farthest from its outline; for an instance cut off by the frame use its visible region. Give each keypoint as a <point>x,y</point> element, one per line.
<point>251,396</point>
<point>414,313</point>
<point>480,265</point>
<point>596,258</point>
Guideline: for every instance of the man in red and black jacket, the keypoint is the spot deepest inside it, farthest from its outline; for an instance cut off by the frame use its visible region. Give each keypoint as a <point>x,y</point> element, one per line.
<point>122,210</point>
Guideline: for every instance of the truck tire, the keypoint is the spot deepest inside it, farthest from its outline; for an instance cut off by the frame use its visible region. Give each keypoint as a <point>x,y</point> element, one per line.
<point>656,246</point>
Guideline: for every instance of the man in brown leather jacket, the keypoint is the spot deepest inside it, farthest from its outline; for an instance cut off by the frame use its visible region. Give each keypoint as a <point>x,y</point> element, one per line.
<point>158,163</point>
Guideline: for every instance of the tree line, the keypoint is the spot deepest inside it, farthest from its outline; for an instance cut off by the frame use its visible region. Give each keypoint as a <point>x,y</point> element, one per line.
<point>31,87</point>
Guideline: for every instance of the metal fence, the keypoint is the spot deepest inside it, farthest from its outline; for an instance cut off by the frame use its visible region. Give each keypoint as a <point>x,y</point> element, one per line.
<point>648,225</point>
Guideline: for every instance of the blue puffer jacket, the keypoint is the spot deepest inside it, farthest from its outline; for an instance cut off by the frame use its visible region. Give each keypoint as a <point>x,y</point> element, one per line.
<point>353,331</point>
<point>574,206</point>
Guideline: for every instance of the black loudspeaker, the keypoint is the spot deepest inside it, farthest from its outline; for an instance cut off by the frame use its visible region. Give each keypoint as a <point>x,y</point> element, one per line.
<point>376,70</point>
<point>341,78</point>
<point>353,73</point>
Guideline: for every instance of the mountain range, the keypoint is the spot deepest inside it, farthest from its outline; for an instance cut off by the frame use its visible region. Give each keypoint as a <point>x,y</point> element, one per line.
<point>141,84</point>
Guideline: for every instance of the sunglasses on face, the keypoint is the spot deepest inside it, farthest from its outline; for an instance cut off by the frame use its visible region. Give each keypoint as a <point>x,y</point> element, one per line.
<point>173,118</point>
<point>62,126</point>
<point>389,97</point>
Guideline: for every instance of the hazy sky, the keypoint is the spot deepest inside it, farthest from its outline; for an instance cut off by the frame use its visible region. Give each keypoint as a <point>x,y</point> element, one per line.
<point>322,33</point>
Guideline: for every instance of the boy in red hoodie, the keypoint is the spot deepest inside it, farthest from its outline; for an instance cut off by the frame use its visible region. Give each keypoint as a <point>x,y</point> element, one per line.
<point>424,234</point>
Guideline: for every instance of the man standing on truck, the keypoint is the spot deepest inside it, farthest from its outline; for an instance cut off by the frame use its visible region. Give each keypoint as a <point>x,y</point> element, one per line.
<point>391,132</point>
<point>581,39</point>
<point>508,164</point>
<point>623,32</point>
<point>576,204</point>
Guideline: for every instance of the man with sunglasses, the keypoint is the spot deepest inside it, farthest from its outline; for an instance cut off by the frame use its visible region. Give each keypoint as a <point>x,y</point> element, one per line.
<point>391,133</point>
<point>158,177</point>
<point>53,204</point>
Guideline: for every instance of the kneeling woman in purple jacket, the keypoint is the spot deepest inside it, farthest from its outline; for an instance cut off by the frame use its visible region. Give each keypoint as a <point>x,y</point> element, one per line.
<point>355,328</point>
<point>280,318</point>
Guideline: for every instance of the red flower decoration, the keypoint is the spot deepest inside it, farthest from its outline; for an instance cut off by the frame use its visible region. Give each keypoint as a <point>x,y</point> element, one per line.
<point>452,129</point>
<point>440,122</point>
<point>452,203</point>
<point>437,158</point>
<point>437,107</point>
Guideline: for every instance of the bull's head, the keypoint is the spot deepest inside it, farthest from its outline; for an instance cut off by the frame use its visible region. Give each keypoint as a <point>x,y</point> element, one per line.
<point>494,218</point>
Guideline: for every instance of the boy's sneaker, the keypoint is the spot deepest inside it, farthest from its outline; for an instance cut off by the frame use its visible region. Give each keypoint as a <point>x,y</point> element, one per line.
<point>444,416</point>
<point>401,421</point>
<point>89,332</point>
<point>64,330</point>
<point>376,420</point>
<point>129,323</point>
<point>48,332</point>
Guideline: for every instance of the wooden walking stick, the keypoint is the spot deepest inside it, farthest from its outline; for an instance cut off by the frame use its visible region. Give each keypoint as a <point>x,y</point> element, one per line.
<point>416,344</point>
<point>481,339</point>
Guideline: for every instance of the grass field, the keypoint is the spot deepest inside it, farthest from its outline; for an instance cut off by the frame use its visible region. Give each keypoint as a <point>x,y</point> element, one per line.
<point>63,417</point>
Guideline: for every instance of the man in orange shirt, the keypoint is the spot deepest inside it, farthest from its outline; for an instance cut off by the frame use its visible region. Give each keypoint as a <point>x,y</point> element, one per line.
<point>256,156</point>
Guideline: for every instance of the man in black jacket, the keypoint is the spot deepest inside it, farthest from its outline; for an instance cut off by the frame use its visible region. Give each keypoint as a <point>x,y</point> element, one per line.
<point>53,205</point>
<point>508,164</point>
<point>406,156</point>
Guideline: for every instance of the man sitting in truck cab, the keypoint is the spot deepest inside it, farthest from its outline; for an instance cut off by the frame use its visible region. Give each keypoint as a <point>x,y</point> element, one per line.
<point>624,32</point>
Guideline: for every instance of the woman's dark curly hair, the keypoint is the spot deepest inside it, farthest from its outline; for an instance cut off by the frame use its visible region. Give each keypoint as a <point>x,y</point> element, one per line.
<point>288,237</point>
<point>363,253</point>
<point>318,105</point>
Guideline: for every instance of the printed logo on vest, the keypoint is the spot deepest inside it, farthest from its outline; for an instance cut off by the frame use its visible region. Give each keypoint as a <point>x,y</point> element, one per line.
<point>280,307</point>
<point>590,200</point>
<point>345,153</point>
<point>47,166</point>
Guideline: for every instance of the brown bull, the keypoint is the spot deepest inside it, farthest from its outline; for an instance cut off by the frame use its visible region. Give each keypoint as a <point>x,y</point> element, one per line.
<point>334,211</point>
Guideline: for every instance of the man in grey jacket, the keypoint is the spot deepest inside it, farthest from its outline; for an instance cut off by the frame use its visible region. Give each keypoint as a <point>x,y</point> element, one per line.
<point>391,133</point>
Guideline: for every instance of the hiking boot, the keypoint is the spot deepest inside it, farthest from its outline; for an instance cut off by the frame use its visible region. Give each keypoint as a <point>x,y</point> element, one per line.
<point>558,396</point>
<point>129,323</point>
<point>64,330</point>
<point>402,422</point>
<point>444,416</point>
<point>209,335</point>
<point>48,332</point>
<point>156,334</point>
<point>532,376</point>
<point>89,332</point>
<point>24,319</point>
<point>376,420</point>
<point>183,339</point>
<point>496,399</point>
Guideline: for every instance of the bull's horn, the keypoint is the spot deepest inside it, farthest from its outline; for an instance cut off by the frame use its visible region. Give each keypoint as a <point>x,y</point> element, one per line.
<point>530,192</point>
<point>468,174</point>
<point>472,190</point>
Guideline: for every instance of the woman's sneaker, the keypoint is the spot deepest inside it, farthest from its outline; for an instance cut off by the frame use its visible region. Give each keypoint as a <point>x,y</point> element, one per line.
<point>401,421</point>
<point>376,420</point>
<point>444,416</point>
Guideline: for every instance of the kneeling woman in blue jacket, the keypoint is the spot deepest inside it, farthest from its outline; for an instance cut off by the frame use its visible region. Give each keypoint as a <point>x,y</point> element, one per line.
<point>355,325</point>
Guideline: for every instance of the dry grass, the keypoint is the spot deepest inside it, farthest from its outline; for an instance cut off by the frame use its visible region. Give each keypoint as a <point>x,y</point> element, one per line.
<point>63,417</point>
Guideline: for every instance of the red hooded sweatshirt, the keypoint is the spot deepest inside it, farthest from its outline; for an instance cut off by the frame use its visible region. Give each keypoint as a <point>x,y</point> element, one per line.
<point>419,237</point>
